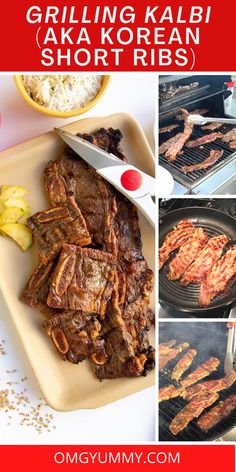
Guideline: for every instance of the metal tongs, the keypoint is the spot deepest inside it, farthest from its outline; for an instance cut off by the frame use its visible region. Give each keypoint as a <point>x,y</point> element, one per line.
<point>230,358</point>
<point>202,120</point>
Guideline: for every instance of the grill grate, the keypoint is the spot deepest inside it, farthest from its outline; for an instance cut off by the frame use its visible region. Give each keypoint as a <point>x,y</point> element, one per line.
<point>216,341</point>
<point>195,155</point>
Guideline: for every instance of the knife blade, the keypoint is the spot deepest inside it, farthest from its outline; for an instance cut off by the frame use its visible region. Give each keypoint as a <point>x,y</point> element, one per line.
<point>135,184</point>
<point>93,155</point>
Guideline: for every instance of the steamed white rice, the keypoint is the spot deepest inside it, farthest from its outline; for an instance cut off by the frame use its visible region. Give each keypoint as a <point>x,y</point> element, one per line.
<point>62,92</point>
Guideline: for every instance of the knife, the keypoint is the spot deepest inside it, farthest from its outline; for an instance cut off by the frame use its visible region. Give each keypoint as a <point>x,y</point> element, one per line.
<point>230,358</point>
<point>136,185</point>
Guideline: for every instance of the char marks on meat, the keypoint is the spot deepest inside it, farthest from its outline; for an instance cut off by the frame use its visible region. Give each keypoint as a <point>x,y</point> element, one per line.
<point>211,126</point>
<point>207,138</point>
<point>127,349</point>
<point>218,278</point>
<point>71,176</point>
<point>98,296</point>
<point>214,156</point>
<point>83,280</point>
<point>205,260</point>
<point>205,369</point>
<point>163,148</point>
<point>135,278</point>
<point>190,411</point>
<point>174,240</point>
<point>164,348</point>
<point>183,364</point>
<point>216,414</point>
<point>187,254</point>
<point>171,354</point>
<point>51,228</point>
<point>210,386</point>
<point>76,335</point>
<point>201,372</point>
<point>230,136</point>
<point>174,149</point>
<point>168,129</point>
<point>37,288</point>
<point>168,392</point>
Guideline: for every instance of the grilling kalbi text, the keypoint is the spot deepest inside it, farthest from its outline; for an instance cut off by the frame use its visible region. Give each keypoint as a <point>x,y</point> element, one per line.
<point>197,395</point>
<point>174,146</point>
<point>92,280</point>
<point>199,260</point>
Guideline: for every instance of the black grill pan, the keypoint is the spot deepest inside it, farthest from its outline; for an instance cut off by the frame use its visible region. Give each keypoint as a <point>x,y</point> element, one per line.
<point>210,339</point>
<point>185,298</point>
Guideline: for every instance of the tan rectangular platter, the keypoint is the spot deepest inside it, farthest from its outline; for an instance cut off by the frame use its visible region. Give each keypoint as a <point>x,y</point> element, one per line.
<point>65,386</point>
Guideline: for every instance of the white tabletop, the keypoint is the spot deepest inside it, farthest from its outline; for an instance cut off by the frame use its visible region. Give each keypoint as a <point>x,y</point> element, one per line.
<point>130,420</point>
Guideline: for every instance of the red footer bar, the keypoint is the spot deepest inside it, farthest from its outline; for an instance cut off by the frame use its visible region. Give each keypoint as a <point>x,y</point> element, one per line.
<point>184,458</point>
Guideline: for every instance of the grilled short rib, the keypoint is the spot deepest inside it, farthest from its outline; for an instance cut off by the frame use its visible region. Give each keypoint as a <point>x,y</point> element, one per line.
<point>205,260</point>
<point>172,354</point>
<point>56,226</point>
<point>76,335</point>
<point>109,282</point>
<point>192,410</point>
<point>218,278</point>
<point>111,219</point>
<point>212,386</point>
<point>213,157</point>
<point>37,288</point>
<point>230,136</point>
<point>183,364</point>
<point>72,176</point>
<point>174,239</point>
<point>187,254</point>
<point>127,349</point>
<point>207,138</point>
<point>164,348</point>
<point>201,372</point>
<point>168,129</point>
<point>218,413</point>
<point>175,149</point>
<point>83,280</point>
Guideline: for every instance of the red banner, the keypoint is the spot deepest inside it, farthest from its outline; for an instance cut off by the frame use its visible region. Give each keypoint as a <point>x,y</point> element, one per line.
<point>117,36</point>
<point>167,458</point>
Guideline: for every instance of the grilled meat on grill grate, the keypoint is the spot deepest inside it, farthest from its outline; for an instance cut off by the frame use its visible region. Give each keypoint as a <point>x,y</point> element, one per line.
<point>216,414</point>
<point>208,162</point>
<point>192,410</point>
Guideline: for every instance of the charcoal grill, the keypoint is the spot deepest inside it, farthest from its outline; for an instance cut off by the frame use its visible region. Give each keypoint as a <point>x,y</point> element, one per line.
<point>209,339</point>
<point>210,94</point>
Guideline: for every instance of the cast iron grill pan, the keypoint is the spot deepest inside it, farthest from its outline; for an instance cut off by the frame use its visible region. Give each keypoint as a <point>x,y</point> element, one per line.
<point>208,342</point>
<point>214,223</point>
<point>192,156</point>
